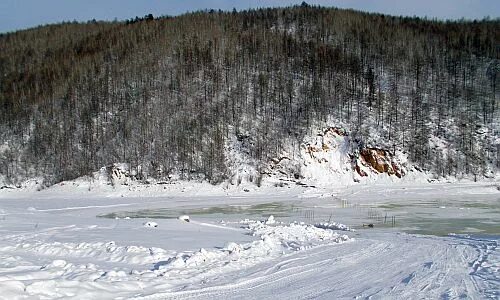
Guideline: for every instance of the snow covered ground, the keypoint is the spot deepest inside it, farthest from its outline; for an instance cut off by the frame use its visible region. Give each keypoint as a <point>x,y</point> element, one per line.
<point>53,244</point>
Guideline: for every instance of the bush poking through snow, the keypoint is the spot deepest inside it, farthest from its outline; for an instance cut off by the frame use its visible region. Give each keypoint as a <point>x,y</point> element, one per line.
<point>150,224</point>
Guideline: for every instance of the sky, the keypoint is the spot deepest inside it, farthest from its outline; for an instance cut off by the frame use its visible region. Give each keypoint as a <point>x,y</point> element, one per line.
<point>22,14</point>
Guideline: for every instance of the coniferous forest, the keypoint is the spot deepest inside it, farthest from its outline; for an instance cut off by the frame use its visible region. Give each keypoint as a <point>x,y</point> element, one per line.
<point>165,94</point>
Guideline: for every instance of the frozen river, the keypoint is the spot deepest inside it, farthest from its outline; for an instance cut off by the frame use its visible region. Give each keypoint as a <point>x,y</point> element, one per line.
<point>435,214</point>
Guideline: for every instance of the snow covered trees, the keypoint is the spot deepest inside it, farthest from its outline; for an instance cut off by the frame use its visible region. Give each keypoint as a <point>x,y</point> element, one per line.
<point>165,95</point>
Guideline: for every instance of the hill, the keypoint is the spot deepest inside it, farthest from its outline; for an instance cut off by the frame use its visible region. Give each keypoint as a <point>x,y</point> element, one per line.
<point>222,96</point>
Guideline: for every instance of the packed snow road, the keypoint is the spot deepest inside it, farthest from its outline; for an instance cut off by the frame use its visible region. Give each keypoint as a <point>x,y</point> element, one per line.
<point>52,246</point>
<point>382,267</point>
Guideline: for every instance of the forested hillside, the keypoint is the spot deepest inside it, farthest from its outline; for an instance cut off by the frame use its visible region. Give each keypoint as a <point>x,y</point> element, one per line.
<point>168,95</point>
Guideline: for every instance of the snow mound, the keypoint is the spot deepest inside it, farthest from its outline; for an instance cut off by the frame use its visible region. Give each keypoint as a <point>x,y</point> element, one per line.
<point>270,220</point>
<point>334,226</point>
<point>295,236</point>
<point>184,218</point>
<point>98,252</point>
<point>11,289</point>
<point>232,247</point>
<point>274,242</point>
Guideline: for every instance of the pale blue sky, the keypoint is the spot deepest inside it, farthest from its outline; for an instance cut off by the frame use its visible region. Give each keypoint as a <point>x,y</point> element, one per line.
<point>20,14</point>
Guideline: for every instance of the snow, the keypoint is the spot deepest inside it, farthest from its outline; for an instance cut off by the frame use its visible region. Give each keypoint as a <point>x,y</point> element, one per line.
<point>53,246</point>
<point>184,218</point>
<point>150,224</point>
<point>270,220</point>
<point>334,226</point>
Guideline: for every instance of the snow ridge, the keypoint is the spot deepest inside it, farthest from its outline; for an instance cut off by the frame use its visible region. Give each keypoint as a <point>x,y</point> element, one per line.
<point>69,272</point>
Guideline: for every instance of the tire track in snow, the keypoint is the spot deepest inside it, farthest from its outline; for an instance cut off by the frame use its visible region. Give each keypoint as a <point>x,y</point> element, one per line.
<point>433,268</point>
<point>274,275</point>
<point>486,268</point>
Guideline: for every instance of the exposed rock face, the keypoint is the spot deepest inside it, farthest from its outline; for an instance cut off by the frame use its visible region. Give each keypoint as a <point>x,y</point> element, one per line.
<point>379,160</point>
<point>360,171</point>
<point>333,156</point>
